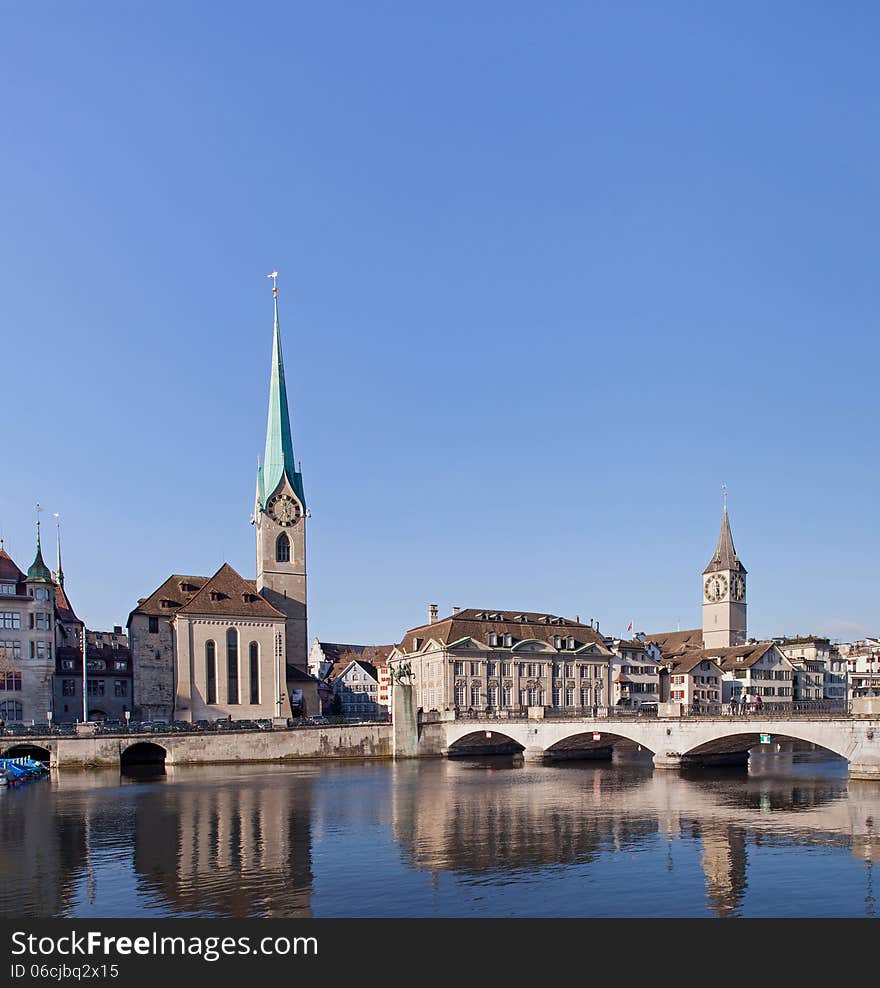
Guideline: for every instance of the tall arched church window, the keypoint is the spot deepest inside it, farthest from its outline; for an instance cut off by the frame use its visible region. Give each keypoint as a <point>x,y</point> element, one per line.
<point>210,672</point>
<point>282,548</point>
<point>232,666</point>
<point>254,657</point>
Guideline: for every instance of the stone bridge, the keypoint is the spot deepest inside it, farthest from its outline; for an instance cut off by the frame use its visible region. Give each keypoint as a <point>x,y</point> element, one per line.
<point>203,748</point>
<point>672,741</point>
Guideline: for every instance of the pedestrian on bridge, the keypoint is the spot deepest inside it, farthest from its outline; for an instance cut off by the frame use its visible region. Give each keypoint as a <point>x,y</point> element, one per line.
<point>733,705</point>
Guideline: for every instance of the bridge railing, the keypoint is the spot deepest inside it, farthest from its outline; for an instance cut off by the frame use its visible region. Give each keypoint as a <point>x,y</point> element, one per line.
<point>794,708</point>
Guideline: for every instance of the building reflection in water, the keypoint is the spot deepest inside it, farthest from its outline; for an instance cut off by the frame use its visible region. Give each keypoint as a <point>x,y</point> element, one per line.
<point>476,818</point>
<point>243,841</point>
<point>240,849</point>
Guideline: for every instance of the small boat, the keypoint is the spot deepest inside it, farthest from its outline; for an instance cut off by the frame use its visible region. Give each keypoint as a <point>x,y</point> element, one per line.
<point>24,769</point>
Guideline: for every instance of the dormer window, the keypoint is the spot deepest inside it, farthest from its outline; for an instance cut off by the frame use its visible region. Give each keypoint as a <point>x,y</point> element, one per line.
<point>508,641</point>
<point>569,642</point>
<point>417,644</point>
<point>493,639</point>
<point>186,587</point>
<point>557,641</point>
<point>218,595</point>
<point>168,603</point>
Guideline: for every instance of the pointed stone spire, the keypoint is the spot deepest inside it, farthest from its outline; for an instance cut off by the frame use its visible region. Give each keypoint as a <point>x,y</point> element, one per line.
<point>724,557</point>
<point>278,459</point>
<point>39,571</point>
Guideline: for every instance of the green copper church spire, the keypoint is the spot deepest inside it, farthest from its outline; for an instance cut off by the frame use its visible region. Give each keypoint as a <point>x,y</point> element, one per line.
<point>278,459</point>
<point>38,571</point>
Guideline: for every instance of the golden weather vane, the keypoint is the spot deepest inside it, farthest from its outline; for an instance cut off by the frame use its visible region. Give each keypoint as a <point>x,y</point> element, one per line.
<point>274,277</point>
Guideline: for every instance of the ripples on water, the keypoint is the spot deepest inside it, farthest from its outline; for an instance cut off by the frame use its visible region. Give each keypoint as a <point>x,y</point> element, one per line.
<point>443,838</point>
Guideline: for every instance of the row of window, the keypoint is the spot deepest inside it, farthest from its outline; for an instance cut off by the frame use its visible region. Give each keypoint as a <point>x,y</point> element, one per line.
<point>95,687</point>
<point>37,650</point>
<point>10,681</point>
<point>533,696</point>
<point>528,670</point>
<point>11,590</point>
<point>39,620</point>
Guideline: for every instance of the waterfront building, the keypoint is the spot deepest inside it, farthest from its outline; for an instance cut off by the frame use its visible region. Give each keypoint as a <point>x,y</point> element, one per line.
<point>27,646</point>
<point>217,651</point>
<point>327,661</point>
<point>820,671</point>
<point>862,660</point>
<point>503,660</point>
<point>757,669</point>
<point>692,679</point>
<point>356,692</point>
<point>635,673</point>
<point>210,647</point>
<point>109,680</point>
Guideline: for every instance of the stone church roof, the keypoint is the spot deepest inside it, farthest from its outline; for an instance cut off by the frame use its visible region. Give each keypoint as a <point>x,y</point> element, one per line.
<point>176,591</point>
<point>724,557</point>
<point>225,593</point>
<point>229,593</point>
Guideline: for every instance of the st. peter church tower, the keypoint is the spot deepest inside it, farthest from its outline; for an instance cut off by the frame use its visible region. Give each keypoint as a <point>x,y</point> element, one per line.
<point>724,594</point>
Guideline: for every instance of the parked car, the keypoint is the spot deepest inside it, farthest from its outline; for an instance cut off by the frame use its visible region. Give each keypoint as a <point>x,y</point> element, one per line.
<point>264,724</point>
<point>317,720</point>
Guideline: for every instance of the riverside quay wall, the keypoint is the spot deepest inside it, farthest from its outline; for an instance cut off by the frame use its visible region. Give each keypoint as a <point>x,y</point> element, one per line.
<point>331,741</point>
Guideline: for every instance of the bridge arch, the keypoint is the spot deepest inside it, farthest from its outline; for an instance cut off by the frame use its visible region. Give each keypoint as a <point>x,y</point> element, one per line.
<point>743,741</point>
<point>588,741</point>
<point>27,750</point>
<point>486,741</point>
<point>141,753</point>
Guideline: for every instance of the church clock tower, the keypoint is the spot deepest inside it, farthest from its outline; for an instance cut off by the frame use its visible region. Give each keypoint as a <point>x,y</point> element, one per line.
<point>724,594</point>
<point>280,515</point>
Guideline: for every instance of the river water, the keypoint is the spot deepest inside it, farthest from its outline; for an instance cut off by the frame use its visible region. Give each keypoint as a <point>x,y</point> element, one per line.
<point>490,837</point>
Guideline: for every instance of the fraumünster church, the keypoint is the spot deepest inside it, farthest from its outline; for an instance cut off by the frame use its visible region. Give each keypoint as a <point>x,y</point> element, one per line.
<point>210,647</point>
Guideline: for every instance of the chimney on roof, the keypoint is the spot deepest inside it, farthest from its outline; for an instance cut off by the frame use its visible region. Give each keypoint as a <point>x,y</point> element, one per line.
<point>117,629</point>
<point>433,613</point>
<point>455,610</point>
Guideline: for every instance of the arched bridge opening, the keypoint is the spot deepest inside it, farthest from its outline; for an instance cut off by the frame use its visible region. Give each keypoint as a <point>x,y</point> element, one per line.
<point>735,749</point>
<point>143,755</point>
<point>487,742</point>
<point>35,751</point>
<point>595,746</point>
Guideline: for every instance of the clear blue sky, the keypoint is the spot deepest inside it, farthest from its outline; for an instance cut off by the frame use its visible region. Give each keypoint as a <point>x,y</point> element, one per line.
<point>550,273</point>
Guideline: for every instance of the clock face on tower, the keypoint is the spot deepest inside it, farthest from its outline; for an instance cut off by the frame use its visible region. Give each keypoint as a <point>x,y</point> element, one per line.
<point>284,510</point>
<point>738,588</point>
<point>716,587</point>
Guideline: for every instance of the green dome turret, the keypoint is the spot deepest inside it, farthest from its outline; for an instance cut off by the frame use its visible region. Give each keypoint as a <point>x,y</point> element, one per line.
<point>38,571</point>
